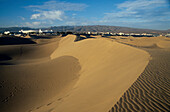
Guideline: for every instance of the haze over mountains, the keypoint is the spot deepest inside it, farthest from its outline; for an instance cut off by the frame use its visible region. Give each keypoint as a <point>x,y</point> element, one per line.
<point>93,28</point>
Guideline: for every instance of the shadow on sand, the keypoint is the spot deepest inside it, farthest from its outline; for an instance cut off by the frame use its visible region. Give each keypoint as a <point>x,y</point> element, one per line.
<point>79,37</point>
<point>15,41</point>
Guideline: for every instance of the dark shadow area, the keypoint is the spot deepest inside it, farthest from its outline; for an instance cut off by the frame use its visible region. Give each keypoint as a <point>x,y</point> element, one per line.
<point>63,35</point>
<point>15,41</point>
<point>4,57</point>
<point>141,36</point>
<point>89,36</point>
<point>106,35</point>
<point>79,37</point>
<point>3,63</point>
<point>42,36</point>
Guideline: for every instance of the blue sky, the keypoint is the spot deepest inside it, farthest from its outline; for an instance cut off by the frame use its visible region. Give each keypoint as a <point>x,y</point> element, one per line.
<point>149,14</point>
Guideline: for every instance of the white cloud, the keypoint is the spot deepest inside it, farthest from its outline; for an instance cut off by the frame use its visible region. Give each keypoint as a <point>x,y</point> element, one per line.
<point>35,16</point>
<point>22,18</point>
<point>141,4</point>
<point>49,15</point>
<point>139,12</point>
<point>58,5</point>
<point>55,11</point>
<point>32,24</point>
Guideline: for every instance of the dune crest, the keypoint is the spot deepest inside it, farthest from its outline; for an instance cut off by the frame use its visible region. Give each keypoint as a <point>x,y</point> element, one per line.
<point>150,92</point>
<point>145,42</point>
<point>67,75</point>
<point>107,70</point>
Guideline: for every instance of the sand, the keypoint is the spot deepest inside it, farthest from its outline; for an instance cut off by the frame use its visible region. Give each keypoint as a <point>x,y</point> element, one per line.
<point>147,42</point>
<point>90,75</point>
<point>29,78</point>
<point>103,71</point>
<point>151,91</point>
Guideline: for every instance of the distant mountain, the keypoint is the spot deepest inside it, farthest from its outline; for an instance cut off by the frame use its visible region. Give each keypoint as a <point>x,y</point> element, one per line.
<point>94,28</point>
<point>14,29</point>
<point>168,30</point>
<point>100,28</point>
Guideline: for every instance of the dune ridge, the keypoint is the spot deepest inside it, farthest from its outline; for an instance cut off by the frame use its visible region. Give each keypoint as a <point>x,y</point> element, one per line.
<point>151,91</point>
<point>67,75</point>
<point>145,42</point>
<point>103,71</point>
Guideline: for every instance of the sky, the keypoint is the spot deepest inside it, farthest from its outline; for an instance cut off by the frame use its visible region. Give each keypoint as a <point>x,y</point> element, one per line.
<point>147,14</point>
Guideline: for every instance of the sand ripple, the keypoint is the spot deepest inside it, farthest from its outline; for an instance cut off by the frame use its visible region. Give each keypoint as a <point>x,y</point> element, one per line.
<point>151,91</point>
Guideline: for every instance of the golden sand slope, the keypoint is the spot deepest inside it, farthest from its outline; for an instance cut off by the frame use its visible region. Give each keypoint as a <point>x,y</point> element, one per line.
<point>28,53</point>
<point>33,78</point>
<point>104,75</point>
<point>152,42</point>
<point>87,76</point>
<point>151,91</point>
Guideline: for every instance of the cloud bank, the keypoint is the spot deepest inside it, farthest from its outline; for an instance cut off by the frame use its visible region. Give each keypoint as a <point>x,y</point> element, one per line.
<point>52,11</point>
<point>152,14</point>
<point>49,15</point>
<point>58,5</point>
<point>140,12</point>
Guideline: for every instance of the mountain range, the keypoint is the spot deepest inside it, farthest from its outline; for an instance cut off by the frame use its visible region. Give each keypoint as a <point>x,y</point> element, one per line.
<point>93,28</point>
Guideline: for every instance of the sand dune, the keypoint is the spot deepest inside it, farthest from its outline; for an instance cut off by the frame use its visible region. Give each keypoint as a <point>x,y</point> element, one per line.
<point>151,90</point>
<point>145,42</point>
<point>87,75</point>
<point>103,73</point>
<point>27,86</point>
<point>28,53</point>
<point>46,83</point>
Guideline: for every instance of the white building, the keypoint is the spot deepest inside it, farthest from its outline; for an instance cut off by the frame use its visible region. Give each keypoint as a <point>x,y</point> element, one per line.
<point>40,31</point>
<point>28,31</point>
<point>36,31</point>
<point>88,32</point>
<point>7,32</point>
<point>167,35</point>
<point>121,33</point>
